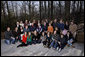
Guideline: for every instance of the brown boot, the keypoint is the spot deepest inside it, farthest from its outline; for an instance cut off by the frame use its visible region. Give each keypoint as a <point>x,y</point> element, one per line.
<point>73,46</point>
<point>68,45</point>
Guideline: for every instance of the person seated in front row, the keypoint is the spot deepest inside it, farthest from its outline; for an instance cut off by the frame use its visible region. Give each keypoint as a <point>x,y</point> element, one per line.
<point>54,42</point>
<point>43,38</point>
<point>48,39</point>
<point>29,38</point>
<point>16,34</point>
<point>70,39</point>
<point>61,42</point>
<point>9,37</point>
<point>24,40</point>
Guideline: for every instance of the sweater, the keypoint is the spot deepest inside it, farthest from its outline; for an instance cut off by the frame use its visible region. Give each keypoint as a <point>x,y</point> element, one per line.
<point>8,35</point>
<point>24,38</point>
<point>29,38</point>
<point>50,29</point>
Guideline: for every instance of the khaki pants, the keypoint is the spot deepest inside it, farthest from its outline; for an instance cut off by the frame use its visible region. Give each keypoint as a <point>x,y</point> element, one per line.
<point>74,35</point>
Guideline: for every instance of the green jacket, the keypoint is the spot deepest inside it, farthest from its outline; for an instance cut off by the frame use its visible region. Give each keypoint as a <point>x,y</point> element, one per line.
<point>29,38</point>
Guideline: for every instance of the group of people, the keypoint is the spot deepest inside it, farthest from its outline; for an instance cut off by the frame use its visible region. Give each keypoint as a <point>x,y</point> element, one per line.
<point>53,34</point>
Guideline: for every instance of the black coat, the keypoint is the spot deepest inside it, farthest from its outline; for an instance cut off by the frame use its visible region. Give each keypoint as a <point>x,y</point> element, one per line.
<point>8,34</point>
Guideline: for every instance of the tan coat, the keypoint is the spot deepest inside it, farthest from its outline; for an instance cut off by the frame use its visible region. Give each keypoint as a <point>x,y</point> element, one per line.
<point>73,28</point>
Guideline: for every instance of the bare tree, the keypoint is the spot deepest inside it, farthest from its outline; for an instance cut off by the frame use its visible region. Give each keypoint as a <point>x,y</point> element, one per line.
<point>67,10</point>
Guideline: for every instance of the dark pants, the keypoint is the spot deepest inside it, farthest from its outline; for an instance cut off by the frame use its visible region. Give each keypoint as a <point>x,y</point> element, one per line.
<point>22,44</point>
<point>48,43</point>
<point>38,41</point>
<point>62,46</point>
<point>44,42</point>
<point>9,41</point>
<point>29,43</point>
<point>33,41</point>
<point>54,44</point>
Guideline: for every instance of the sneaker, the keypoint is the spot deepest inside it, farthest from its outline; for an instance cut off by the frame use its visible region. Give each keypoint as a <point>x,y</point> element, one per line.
<point>73,46</point>
<point>57,48</point>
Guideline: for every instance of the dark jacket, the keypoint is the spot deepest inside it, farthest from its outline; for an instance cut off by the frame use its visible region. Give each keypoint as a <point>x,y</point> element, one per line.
<point>61,26</point>
<point>8,34</point>
<point>26,30</point>
<point>62,40</point>
<point>15,34</point>
<point>66,27</point>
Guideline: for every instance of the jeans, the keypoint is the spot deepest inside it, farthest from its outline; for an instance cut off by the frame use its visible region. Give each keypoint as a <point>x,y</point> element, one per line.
<point>70,42</point>
<point>54,44</point>
<point>9,41</point>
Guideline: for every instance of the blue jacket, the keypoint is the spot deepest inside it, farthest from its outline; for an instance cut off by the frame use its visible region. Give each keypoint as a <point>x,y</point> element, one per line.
<point>26,30</point>
<point>61,26</point>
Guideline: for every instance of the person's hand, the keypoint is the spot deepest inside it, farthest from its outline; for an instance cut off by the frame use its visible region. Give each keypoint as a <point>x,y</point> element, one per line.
<point>59,42</point>
<point>12,37</point>
<point>16,37</point>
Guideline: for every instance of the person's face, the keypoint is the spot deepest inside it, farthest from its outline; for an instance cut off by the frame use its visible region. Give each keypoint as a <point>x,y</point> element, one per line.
<point>8,29</point>
<point>49,24</point>
<point>20,21</point>
<point>43,33</point>
<point>17,23</point>
<point>20,27</point>
<point>26,27</point>
<point>54,32</point>
<point>16,28</point>
<point>29,33</point>
<point>61,36</point>
<point>61,21</point>
<point>68,33</point>
<point>25,33</point>
<point>55,20</point>
<point>26,21</point>
<point>66,23</point>
<point>72,23</point>
<point>35,32</point>
<point>56,28</point>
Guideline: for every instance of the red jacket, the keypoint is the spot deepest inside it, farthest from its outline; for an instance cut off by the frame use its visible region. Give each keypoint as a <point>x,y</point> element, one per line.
<point>24,38</point>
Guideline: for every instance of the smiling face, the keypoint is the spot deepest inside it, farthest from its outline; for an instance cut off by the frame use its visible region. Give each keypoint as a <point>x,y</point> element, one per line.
<point>29,33</point>
<point>54,32</point>
<point>8,29</point>
<point>61,35</point>
<point>25,33</point>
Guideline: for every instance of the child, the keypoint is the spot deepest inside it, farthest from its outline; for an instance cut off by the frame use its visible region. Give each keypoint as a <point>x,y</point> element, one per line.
<point>29,39</point>
<point>24,40</point>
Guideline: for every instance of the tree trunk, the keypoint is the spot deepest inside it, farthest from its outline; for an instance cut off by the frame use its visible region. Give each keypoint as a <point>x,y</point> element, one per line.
<point>45,8</point>
<point>67,10</point>
<point>40,9</point>
<point>51,9</point>
<point>29,10</point>
<point>59,9</point>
